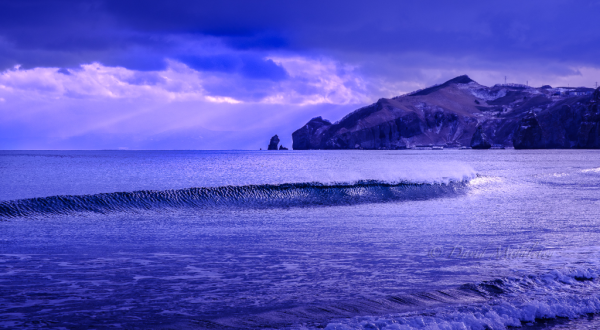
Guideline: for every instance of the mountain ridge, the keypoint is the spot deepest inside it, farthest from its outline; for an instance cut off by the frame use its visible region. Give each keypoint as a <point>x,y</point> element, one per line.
<point>462,113</point>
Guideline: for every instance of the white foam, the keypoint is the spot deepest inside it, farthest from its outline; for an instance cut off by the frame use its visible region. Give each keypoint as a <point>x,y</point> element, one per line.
<point>565,294</point>
<point>591,170</point>
<point>483,180</point>
<point>394,173</point>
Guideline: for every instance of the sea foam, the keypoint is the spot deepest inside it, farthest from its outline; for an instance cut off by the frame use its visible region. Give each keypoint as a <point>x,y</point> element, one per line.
<point>556,294</point>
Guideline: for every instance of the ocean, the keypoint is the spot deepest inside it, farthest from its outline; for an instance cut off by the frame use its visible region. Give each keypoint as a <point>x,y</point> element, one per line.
<point>407,239</point>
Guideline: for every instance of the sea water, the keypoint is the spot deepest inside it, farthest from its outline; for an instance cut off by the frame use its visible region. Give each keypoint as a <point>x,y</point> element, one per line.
<point>452,239</point>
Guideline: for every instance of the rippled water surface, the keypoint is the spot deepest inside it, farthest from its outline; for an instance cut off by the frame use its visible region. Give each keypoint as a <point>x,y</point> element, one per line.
<point>336,239</point>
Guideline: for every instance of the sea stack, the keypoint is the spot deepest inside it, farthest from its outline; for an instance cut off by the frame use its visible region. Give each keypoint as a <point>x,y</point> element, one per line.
<point>274,142</point>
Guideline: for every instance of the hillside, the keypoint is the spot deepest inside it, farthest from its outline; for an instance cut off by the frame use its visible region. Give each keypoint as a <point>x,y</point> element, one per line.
<point>461,112</point>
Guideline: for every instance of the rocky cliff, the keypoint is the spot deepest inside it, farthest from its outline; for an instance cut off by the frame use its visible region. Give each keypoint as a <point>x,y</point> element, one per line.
<point>461,112</point>
<point>570,123</point>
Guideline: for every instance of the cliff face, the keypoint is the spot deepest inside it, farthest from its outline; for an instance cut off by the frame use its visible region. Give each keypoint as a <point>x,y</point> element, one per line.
<point>461,112</point>
<point>571,123</point>
<point>311,134</point>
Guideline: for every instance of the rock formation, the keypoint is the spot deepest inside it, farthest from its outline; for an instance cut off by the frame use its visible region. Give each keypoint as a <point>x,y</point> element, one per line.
<point>311,134</point>
<point>480,140</point>
<point>274,142</point>
<point>528,134</point>
<point>461,112</point>
<point>571,123</point>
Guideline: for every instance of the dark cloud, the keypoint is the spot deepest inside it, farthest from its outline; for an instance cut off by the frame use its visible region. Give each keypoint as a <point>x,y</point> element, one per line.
<point>248,66</point>
<point>239,89</point>
<point>64,71</point>
<point>134,59</point>
<point>262,69</point>
<point>140,34</point>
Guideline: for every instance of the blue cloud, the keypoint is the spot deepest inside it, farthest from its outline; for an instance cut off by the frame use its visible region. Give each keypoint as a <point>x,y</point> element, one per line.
<point>64,71</point>
<point>135,60</point>
<point>218,63</point>
<point>248,66</point>
<point>255,68</point>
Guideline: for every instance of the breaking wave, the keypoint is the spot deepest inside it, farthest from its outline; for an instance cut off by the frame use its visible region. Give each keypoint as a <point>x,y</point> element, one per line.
<point>249,196</point>
<point>512,302</point>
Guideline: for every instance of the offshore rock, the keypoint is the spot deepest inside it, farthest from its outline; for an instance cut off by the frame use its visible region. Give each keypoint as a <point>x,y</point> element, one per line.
<point>461,112</point>
<point>274,142</point>
<point>281,147</point>
<point>480,140</point>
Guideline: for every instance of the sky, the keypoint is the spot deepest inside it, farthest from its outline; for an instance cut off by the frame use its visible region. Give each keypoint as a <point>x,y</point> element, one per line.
<point>195,74</point>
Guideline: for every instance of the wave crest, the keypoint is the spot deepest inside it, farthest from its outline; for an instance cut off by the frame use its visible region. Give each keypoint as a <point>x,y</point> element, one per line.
<point>250,196</point>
